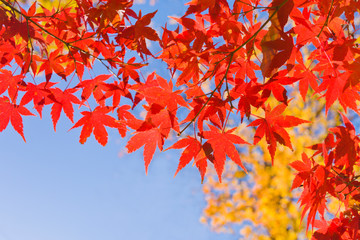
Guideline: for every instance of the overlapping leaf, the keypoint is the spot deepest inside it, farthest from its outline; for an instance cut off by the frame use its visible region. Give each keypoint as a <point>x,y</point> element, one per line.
<point>95,122</point>
<point>272,127</point>
<point>10,112</point>
<point>222,144</point>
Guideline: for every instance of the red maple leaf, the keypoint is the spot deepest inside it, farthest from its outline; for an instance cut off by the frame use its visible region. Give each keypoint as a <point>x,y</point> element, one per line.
<point>306,78</point>
<point>163,94</point>
<point>116,90</point>
<point>137,34</point>
<point>272,126</point>
<point>276,85</point>
<point>124,114</point>
<point>141,29</point>
<point>248,94</point>
<point>63,100</point>
<point>53,64</point>
<point>192,149</point>
<point>39,94</point>
<point>329,229</point>
<point>214,111</point>
<point>304,169</point>
<point>334,87</point>
<point>94,86</point>
<point>161,118</point>
<point>149,139</point>
<point>95,121</point>
<point>312,177</point>
<point>222,144</point>
<point>347,145</point>
<point>10,83</point>
<point>129,70</point>
<point>12,112</point>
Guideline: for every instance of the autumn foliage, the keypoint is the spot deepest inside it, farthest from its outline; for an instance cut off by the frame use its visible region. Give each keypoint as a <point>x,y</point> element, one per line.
<point>226,62</point>
<point>260,204</point>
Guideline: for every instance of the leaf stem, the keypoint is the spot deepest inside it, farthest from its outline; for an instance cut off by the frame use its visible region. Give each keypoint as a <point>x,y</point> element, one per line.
<point>327,18</point>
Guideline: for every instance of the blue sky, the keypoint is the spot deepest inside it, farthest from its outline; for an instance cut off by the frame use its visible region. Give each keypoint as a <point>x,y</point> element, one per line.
<point>54,188</point>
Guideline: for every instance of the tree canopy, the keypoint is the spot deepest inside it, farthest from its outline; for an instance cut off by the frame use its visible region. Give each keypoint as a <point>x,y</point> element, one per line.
<point>231,65</point>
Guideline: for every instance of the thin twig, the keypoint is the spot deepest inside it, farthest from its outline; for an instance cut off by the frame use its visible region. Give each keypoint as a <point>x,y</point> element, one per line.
<point>327,19</point>
<point>230,56</point>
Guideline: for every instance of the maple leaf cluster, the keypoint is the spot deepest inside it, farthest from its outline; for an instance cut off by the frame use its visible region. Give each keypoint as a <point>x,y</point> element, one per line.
<point>263,196</point>
<point>336,176</point>
<point>224,64</point>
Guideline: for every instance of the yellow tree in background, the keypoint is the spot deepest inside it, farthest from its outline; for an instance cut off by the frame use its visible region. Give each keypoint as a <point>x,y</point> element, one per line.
<point>260,203</point>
